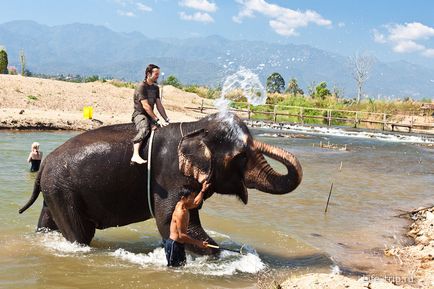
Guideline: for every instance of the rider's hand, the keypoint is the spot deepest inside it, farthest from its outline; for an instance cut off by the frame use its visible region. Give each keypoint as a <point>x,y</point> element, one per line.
<point>205,244</point>
<point>166,122</point>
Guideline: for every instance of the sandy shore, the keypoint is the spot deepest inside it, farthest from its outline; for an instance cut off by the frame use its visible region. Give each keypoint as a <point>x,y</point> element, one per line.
<point>33,103</point>
<point>417,261</point>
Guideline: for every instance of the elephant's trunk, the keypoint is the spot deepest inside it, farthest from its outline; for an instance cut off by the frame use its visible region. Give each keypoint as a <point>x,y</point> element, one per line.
<point>262,176</point>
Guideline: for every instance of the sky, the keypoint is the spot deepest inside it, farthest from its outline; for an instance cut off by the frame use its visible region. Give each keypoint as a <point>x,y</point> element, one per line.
<point>389,30</point>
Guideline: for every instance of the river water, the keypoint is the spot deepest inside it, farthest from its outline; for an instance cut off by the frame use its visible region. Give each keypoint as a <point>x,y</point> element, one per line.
<point>283,235</point>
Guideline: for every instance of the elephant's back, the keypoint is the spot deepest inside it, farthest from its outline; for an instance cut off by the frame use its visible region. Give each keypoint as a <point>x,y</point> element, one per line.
<point>114,135</point>
<point>103,149</point>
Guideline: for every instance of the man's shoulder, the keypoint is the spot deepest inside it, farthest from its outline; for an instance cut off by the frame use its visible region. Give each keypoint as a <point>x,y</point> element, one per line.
<point>154,86</point>
<point>179,210</point>
<point>140,84</point>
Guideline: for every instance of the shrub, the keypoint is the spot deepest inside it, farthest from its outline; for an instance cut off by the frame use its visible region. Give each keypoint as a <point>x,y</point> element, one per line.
<point>92,78</point>
<point>12,70</point>
<point>119,83</point>
<point>172,80</point>
<point>3,61</point>
<point>32,97</point>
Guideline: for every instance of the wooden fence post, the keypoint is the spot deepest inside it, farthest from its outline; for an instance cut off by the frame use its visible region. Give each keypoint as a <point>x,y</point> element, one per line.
<point>384,121</point>
<point>201,106</point>
<point>329,114</point>
<point>274,113</point>
<point>301,115</point>
<point>356,119</point>
<point>249,111</point>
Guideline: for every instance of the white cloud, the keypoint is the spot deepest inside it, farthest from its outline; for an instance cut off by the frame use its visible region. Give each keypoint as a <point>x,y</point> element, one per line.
<point>410,31</point>
<point>121,2</point>
<point>128,6</point>
<point>202,5</point>
<point>341,24</point>
<point>407,46</point>
<point>283,20</point>
<point>429,52</point>
<point>143,7</point>
<point>407,38</point>
<point>198,16</point>
<point>126,13</point>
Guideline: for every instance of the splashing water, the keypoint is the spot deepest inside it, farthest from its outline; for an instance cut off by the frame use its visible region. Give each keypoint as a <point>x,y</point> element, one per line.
<point>249,84</point>
<point>246,82</point>
<point>55,242</point>
<point>229,263</point>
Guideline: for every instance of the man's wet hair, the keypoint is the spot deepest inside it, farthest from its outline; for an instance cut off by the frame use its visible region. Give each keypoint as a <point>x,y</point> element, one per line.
<point>150,68</point>
<point>185,192</point>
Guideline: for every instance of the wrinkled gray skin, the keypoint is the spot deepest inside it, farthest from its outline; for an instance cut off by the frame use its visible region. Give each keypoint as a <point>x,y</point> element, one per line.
<point>88,182</point>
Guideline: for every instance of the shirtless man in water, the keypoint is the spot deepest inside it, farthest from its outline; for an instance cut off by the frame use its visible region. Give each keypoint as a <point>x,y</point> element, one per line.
<point>174,246</point>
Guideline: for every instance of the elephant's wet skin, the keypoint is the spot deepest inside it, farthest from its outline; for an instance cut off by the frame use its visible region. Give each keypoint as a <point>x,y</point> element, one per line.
<point>88,182</point>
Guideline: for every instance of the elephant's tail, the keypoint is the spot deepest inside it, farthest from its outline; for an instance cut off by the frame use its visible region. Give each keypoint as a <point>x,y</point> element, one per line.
<point>36,191</point>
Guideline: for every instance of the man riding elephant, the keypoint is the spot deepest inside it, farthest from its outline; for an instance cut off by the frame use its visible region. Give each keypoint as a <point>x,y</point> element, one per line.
<point>146,95</point>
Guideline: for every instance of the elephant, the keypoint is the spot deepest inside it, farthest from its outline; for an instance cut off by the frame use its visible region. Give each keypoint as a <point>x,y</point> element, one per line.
<point>88,182</point>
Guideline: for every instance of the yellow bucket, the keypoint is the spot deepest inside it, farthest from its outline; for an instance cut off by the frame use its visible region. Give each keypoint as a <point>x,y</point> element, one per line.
<point>87,112</point>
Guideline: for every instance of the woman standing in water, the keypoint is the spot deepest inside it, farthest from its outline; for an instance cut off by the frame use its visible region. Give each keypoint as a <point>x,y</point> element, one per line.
<point>35,157</point>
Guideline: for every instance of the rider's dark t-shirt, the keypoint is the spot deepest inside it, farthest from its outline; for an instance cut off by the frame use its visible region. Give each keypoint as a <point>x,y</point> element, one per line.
<point>148,92</point>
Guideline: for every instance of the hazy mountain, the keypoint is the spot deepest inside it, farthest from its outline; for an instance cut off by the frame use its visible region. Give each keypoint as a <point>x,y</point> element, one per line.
<point>88,49</point>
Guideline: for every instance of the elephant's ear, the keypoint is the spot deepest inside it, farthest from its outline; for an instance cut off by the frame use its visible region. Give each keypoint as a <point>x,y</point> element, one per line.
<point>195,157</point>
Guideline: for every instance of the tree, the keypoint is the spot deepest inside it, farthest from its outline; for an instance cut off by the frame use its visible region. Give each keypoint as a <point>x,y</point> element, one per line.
<point>23,62</point>
<point>275,83</point>
<point>321,90</point>
<point>293,87</point>
<point>172,80</point>
<point>361,67</point>
<point>3,61</point>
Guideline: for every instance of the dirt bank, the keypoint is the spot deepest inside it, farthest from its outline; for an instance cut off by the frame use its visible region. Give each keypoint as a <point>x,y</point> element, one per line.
<point>28,103</point>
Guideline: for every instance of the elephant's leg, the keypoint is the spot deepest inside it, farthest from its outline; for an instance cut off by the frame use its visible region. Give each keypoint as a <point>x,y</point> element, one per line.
<point>196,231</point>
<point>73,225</point>
<point>46,220</point>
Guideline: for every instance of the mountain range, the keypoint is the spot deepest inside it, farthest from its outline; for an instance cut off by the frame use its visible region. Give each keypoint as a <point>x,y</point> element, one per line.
<point>96,50</point>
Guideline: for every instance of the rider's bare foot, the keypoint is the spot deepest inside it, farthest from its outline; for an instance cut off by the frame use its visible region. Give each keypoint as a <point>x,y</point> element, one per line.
<point>137,159</point>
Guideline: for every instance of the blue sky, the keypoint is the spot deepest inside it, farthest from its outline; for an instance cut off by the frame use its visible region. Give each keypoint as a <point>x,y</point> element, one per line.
<point>391,30</point>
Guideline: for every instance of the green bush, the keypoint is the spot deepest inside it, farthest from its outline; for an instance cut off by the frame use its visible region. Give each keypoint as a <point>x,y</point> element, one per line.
<point>172,80</point>
<point>92,78</point>
<point>118,83</point>
<point>32,97</point>
<point>3,61</point>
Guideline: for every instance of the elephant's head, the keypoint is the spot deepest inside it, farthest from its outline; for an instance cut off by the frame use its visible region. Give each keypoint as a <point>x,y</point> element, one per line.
<point>224,151</point>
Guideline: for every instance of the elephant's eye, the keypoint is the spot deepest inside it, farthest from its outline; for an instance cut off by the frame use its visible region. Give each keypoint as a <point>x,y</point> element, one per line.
<point>240,160</point>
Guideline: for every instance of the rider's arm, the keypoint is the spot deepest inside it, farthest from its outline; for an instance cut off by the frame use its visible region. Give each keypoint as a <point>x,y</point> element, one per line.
<point>161,109</point>
<point>147,107</point>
